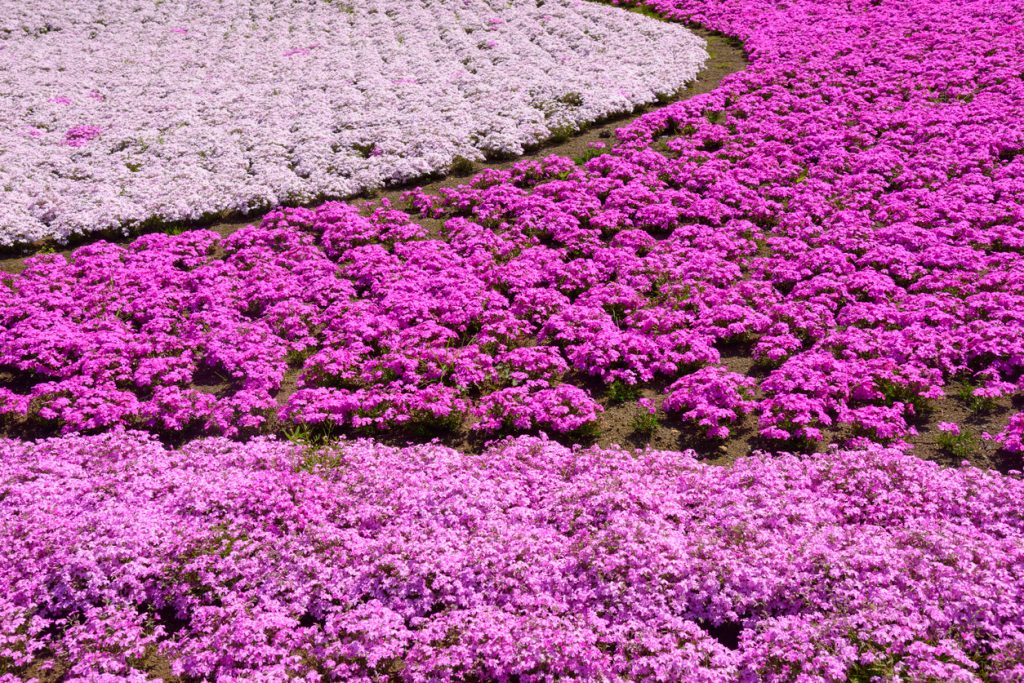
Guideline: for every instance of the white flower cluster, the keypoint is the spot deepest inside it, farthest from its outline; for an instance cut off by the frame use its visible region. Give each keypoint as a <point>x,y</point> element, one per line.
<point>116,112</point>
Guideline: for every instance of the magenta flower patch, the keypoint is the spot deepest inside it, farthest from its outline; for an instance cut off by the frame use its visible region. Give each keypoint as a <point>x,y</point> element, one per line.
<point>80,135</point>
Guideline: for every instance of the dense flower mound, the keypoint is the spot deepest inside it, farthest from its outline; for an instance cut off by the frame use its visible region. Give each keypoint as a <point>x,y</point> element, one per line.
<point>262,561</point>
<point>120,112</point>
<point>846,213</point>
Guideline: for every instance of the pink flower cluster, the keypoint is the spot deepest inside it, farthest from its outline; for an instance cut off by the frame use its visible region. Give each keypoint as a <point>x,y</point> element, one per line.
<point>194,332</point>
<point>1012,438</point>
<point>78,136</point>
<point>533,562</point>
<point>535,405</point>
<point>712,398</point>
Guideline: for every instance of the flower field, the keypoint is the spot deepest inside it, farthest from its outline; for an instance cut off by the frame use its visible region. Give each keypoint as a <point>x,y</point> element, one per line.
<point>258,561</point>
<point>393,439</point>
<point>133,113</point>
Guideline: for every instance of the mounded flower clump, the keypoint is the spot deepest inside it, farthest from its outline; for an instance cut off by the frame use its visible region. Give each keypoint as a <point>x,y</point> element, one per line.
<point>261,561</point>
<point>119,113</point>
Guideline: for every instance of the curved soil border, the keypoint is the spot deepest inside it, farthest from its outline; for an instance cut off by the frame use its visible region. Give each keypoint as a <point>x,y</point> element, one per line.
<point>617,424</point>
<point>725,56</point>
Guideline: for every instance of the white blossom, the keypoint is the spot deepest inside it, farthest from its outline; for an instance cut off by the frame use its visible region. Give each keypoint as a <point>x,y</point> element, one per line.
<point>115,112</point>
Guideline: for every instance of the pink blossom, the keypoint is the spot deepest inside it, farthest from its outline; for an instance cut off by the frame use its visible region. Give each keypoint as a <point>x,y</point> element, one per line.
<point>949,428</point>
<point>530,560</point>
<point>79,136</point>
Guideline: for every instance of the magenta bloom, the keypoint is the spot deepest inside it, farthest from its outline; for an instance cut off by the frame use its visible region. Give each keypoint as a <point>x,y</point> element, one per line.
<point>80,135</point>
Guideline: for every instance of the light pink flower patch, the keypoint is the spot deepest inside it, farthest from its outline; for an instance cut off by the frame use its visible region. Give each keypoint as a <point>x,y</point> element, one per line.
<point>206,123</point>
<point>585,565</point>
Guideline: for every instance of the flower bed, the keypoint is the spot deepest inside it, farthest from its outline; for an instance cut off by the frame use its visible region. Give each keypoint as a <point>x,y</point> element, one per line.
<point>830,242</point>
<point>120,114</point>
<point>384,326</point>
<point>847,218</point>
<point>262,561</point>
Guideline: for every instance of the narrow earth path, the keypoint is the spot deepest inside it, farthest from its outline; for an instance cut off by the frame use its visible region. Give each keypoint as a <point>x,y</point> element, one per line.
<point>726,56</point>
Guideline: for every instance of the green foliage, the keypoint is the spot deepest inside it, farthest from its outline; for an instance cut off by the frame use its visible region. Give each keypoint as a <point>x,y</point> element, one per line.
<point>976,404</point>
<point>645,424</point>
<point>561,134</point>
<point>870,673</point>
<point>365,150</point>
<point>591,153</point>
<point>461,166</point>
<point>714,116</point>
<point>571,99</point>
<point>904,393</point>
<point>318,445</point>
<point>587,433</point>
<point>297,358</point>
<point>961,446</point>
<point>620,392</point>
<point>425,424</point>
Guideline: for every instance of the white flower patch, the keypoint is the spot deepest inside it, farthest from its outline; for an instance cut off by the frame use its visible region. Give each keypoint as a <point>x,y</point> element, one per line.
<point>118,112</point>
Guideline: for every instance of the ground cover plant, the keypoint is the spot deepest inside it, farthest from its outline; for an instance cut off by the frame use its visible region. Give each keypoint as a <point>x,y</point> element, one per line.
<point>532,562</point>
<point>855,236</point>
<point>825,251</point>
<point>120,114</point>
